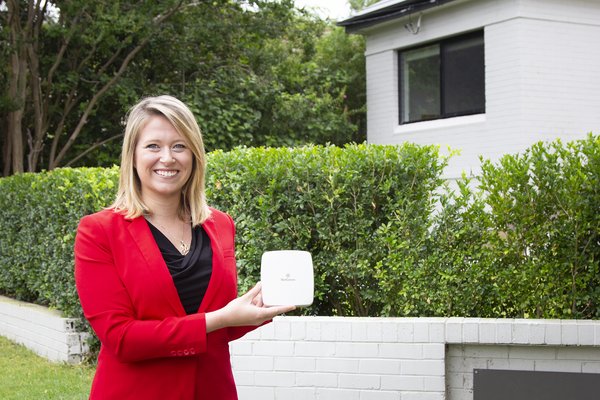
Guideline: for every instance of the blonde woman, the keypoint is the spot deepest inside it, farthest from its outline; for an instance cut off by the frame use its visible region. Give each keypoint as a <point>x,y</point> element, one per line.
<point>156,272</point>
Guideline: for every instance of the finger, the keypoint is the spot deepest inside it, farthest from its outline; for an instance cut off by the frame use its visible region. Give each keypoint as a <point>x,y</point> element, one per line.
<point>276,310</point>
<point>254,291</point>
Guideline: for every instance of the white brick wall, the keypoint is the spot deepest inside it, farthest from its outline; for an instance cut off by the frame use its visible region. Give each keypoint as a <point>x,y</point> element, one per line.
<point>542,60</point>
<point>42,330</point>
<point>402,358</point>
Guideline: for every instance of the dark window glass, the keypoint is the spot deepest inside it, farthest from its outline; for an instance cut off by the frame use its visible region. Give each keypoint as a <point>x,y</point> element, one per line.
<point>444,79</point>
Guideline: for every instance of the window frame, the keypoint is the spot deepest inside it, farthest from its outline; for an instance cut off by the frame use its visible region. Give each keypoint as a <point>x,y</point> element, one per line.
<point>442,55</point>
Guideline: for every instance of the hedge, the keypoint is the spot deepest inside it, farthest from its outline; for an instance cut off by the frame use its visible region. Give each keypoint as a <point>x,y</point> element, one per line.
<point>388,236</point>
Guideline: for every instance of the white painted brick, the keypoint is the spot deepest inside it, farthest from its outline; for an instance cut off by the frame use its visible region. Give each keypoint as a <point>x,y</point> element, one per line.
<point>454,328</point>
<point>313,330</point>
<point>275,379</point>
<point>240,347</point>
<point>389,331</point>
<point>558,365</point>
<point>298,330</point>
<point>597,335</point>
<point>378,395</point>
<point>569,332</point>
<point>521,332</point>
<point>553,333</point>
<point>437,331</point>
<point>252,363</point>
<point>405,331</point>
<point>273,348</point>
<point>374,332</point>
<point>253,393</point>
<point>379,366</point>
<point>585,333</point>
<point>487,331</point>
<point>317,379</point>
<point>357,350</point>
<point>359,381</point>
<point>591,367</point>
<point>470,332</point>
<point>243,378</point>
<point>460,394</point>
<point>315,349</point>
<point>359,332</point>
<point>423,396</point>
<point>434,351</point>
<point>520,364</point>
<point>532,352</point>
<point>267,332</point>
<point>504,331</point>
<point>282,330</point>
<point>421,332</point>
<point>578,353</point>
<point>402,382</point>
<point>337,365</point>
<point>423,367</point>
<point>435,383</point>
<point>295,364</point>
<point>295,393</point>
<point>337,394</point>
<point>401,350</point>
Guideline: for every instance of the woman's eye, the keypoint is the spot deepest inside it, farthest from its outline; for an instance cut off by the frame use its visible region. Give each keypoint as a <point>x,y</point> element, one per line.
<point>152,146</point>
<point>179,147</point>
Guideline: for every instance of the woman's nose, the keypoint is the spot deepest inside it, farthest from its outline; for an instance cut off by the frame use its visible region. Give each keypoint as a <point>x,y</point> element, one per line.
<point>166,157</point>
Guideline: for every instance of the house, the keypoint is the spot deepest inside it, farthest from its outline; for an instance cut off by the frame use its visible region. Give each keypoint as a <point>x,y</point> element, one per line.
<point>486,77</point>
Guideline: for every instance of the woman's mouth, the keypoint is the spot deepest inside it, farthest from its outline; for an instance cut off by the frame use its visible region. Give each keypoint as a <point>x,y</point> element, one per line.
<point>167,173</point>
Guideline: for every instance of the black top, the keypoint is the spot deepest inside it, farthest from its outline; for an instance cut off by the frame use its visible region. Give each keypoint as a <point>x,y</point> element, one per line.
<point>191,273</point>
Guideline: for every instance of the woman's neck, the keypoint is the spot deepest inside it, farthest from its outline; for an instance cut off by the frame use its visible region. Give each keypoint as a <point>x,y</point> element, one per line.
<point>162,208</point>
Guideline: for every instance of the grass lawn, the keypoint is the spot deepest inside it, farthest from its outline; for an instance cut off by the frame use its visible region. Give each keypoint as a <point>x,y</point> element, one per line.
<point>25,375</point>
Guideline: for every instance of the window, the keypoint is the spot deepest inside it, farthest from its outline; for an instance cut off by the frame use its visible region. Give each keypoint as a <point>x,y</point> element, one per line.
<point>442,80</point>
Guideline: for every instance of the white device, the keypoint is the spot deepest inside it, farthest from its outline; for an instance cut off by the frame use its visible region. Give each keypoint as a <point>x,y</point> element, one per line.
<point>287,278</point>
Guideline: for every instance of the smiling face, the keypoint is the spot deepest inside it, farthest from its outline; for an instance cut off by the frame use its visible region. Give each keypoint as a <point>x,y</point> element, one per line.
<point>162,160</point>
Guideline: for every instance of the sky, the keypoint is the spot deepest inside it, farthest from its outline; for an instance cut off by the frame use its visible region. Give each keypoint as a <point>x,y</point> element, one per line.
<point>334,9</point>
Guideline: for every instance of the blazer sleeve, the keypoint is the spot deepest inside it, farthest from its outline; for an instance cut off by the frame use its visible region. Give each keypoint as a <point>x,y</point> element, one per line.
<point>109,309</point>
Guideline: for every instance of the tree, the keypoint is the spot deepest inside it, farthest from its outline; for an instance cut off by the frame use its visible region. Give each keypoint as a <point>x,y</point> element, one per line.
<point>255,72</point>
<point>62,65</point>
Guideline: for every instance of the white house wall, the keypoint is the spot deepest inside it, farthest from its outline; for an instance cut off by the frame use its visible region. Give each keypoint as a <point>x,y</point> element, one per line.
<point>542,77</point>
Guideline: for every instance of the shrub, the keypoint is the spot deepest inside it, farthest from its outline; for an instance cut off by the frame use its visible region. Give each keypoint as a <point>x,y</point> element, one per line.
<point>523,241</point>
<point>330,201</point>
<point>39,214</point>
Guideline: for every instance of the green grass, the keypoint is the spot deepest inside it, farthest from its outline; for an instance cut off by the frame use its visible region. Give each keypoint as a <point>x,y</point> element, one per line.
<point>25,375</point>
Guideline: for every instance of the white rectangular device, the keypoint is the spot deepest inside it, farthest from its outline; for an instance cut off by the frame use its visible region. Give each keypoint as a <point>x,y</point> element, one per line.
<point>287,278</point>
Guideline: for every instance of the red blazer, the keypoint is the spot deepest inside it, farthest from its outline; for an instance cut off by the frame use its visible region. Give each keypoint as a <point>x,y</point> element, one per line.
<point>150,348</point>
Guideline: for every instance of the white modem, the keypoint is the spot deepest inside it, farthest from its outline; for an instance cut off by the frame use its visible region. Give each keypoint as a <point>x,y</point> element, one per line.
<point>287,278</point>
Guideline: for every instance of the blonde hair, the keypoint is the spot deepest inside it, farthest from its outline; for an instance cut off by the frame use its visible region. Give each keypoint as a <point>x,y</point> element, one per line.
<point>193,197</point>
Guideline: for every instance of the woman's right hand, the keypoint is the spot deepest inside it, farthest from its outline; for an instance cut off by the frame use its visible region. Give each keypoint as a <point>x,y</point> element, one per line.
<point>246,310</point>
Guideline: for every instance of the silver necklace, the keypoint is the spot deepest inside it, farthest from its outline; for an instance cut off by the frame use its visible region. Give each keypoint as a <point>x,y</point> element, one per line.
<point>184,248</point>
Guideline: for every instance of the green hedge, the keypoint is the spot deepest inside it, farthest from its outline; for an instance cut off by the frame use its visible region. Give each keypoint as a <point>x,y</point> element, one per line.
<point>523,241</point>
<point>387,238</point>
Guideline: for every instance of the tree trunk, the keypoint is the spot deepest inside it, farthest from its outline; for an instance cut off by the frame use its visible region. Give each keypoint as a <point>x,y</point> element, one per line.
<point>17,77</point>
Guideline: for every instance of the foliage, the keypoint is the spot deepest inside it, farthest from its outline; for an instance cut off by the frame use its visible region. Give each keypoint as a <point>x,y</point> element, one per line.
<point>387,237</point>
<point>328,200</point>
<point>39,214</point>
<point>523,241</point>
<point>255,73</point>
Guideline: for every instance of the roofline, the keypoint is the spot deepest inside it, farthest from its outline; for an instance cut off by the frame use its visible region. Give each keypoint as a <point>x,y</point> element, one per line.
<point>374,15</point>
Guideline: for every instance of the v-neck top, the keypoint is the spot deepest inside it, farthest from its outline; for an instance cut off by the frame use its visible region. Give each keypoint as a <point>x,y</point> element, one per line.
<point>191,272</point>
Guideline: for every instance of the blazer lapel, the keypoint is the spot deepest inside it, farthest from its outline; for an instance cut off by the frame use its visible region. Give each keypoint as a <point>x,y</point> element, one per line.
<point>217,264</point>
<point>142,237</point>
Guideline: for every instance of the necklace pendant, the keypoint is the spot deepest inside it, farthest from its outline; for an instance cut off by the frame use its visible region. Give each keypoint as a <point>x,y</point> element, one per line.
<point>183,248</point>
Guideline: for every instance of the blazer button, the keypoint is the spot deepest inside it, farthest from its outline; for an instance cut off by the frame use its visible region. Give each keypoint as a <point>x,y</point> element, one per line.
<point>179,352</point>
<point>192,351</point>
<point>186,352</point>
<point>173,353</point>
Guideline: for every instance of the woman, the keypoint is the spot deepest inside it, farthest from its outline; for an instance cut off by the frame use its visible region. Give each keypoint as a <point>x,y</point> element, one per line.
<point>156,272</point>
